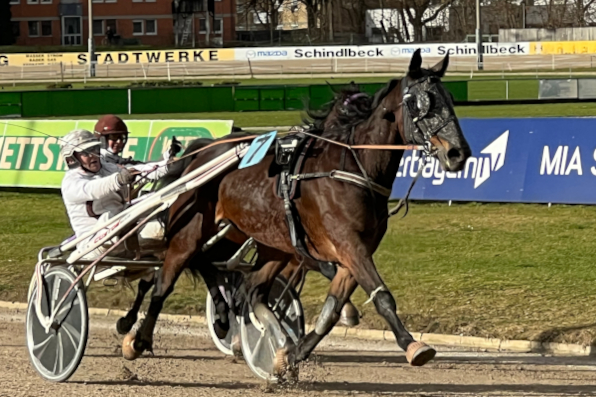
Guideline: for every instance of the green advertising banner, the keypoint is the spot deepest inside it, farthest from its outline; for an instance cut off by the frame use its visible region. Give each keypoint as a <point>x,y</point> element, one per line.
<point>30,149</point>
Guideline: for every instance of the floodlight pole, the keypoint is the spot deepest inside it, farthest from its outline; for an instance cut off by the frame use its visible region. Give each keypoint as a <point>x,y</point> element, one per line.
<point>90,44</point>
<point>479,48</point>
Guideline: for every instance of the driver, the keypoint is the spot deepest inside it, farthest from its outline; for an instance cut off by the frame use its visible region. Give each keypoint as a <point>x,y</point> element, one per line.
<point>112,133</point>
<point>93,189</point>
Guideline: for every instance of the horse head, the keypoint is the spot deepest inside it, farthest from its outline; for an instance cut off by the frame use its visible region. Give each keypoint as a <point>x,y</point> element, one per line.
<point>421,109</point>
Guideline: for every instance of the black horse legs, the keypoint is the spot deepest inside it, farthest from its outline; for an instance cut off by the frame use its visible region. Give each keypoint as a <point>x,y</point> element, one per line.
<point>342,287</point>
<point>125,324</point>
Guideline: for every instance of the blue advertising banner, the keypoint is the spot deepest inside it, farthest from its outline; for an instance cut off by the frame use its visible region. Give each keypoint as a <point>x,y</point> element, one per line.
<point>537,160</point>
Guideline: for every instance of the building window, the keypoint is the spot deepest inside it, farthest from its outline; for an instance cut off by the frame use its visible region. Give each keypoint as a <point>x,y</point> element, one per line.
<point>97,1</point>
<point>46,28</point>
<point>33,28</point>
<point>218,25</point>
<point>111,23</point>
<point>137,28</point>
<point>15,2</point>
<point>151,26</point>
<point>46,1</point>
<point>16,29</point>
<point>32,1</point>
<point>216,28</point>
<point>97,27</point>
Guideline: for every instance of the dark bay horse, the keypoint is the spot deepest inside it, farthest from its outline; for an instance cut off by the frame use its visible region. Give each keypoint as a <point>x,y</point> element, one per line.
<point>343,223</point>
<point>350,106</point>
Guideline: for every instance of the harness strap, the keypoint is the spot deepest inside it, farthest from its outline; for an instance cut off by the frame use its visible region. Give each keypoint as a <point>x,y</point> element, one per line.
<point>403,202</point>
<point>344,176</point>
<point>297,233</point>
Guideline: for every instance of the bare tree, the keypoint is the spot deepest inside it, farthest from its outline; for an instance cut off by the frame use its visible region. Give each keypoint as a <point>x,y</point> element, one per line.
<point>260,8</point>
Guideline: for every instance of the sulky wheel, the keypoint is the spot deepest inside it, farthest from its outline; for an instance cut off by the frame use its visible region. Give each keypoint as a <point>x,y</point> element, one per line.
<point>259,341</point>
<point>223,345</point>
<point>55,354</point>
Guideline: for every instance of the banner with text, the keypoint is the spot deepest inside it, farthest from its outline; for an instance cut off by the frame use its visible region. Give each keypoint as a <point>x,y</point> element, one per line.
<point>119,57</point>
<point>378,51</point>
<point>538,160</point>
<point>30,149</point>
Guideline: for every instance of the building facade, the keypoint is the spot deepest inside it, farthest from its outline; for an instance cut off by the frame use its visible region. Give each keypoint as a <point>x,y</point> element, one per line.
<point>123,22</point>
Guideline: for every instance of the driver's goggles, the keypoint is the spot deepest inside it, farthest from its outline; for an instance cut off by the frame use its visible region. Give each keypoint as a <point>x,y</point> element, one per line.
<point>117,137</point>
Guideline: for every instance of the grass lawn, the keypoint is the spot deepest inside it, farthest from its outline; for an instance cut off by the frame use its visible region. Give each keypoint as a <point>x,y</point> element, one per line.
<point>495,270</point>
<point>479,88</point>
<point>288,118</point>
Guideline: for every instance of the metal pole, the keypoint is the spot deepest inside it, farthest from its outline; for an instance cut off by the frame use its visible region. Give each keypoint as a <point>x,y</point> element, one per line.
<point>523,3</point>
<point>479,48</point>
<point>90,43</point>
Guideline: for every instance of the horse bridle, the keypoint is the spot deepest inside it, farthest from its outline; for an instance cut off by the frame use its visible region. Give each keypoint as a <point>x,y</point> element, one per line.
<point>416,109</point>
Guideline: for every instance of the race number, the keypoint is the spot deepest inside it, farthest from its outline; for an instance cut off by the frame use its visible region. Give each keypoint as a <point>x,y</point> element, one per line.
<point>257,150</point>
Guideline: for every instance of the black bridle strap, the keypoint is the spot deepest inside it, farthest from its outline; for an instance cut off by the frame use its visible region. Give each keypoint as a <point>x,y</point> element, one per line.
<point>404,202</point>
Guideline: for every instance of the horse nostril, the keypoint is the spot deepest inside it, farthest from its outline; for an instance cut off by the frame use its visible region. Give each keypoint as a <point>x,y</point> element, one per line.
<point>454,154</point>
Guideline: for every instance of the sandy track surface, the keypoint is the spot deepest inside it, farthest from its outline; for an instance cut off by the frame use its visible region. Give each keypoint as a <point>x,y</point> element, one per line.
<point>186,363</point>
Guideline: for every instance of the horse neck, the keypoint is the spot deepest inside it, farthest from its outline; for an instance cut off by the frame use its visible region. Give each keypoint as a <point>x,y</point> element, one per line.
<point>380,165</point>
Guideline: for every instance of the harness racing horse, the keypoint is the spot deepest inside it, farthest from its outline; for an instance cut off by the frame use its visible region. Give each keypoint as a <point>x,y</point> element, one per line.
<point>350,106</point>
<point>343,223</point>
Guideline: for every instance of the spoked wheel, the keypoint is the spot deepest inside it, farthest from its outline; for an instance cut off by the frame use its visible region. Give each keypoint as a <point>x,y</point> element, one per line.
<point>56,353</point>
<point>259,342</point>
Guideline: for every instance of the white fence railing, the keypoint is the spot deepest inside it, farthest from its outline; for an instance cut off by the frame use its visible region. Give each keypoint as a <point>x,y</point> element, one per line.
<point>530,64</point>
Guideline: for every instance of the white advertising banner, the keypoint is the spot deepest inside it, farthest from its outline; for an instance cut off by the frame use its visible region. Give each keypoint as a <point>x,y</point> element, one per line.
<point>378,51</point>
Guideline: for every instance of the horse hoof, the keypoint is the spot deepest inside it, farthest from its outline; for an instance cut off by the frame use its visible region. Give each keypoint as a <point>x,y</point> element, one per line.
<point>349,315</point>
<point>419,353</point>
<point>123,326</point>
<point>281,364</point>
<point>128,350</point>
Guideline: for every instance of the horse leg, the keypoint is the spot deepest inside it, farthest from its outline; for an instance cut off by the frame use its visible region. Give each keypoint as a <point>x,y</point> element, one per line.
<point>349,314</point>
<point>180,251</point>
<point>210,275</point>
<point>342,287</point>
<point>125,324</point>
<point>364,271</point>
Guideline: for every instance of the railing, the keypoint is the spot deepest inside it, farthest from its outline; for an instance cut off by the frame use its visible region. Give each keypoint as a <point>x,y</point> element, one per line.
<point>526,65</point>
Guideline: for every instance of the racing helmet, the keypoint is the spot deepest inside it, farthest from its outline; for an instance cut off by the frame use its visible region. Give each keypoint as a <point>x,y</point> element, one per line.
<point>76,141</point>
<point>107,125</point>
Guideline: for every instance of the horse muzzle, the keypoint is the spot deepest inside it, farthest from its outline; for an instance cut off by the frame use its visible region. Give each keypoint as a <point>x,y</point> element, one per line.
<point>452,157</point>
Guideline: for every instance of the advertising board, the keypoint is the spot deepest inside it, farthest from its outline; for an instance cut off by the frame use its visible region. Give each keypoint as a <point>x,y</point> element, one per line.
<point>30,149</point>
<point>534,160</point>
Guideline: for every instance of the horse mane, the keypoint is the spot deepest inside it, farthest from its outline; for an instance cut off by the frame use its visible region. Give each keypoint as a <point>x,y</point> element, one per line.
<point>383,92</point>
<point>342,113</point>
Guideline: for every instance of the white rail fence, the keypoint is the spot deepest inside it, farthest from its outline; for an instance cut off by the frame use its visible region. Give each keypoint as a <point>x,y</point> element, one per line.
<point>530,64</point>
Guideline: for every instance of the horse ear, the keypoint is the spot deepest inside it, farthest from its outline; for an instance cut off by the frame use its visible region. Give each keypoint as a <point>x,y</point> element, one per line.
<point>416,62</point>
<point>440,68</point>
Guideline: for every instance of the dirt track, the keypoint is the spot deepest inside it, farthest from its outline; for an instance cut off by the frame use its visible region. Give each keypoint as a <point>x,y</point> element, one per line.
<point>186,363</point>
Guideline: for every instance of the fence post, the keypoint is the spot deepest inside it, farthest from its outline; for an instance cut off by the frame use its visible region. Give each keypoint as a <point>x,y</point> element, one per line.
<point>169,77</point>
<point>61,72</point>
<point>507,89</point>
<point>144,72</point>
<point>553,61</point>
<point>129,102</point>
